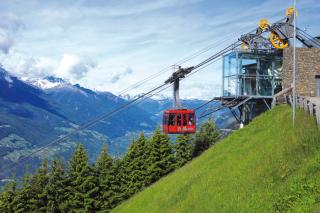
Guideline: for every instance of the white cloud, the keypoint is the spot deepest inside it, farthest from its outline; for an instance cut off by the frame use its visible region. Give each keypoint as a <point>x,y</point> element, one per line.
<point>25,66</point>
<point>115,78</point>
<point>73,68</point>
<point>70,67</point>
<point>5,41</point>
<point>9,24</point>
<point>10,21</point>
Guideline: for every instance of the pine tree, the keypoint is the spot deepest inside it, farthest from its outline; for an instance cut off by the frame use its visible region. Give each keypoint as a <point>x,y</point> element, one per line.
<point>160,157</point>
<point>206,137</point>
<point>103,170</point>
<point>82,187</point>
<point>7,197</point>
<point>135,163</point>
<point>118,183</point>
<point>141,163</point>
<point>30,197</point>
<point>183,149</point>
<point>21,201</point>
<point>128,165</point>
<point>39,180</point>
<point>55,189</point>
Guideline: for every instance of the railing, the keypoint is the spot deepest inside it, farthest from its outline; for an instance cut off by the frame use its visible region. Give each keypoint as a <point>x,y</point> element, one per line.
<point>309,104</point>
<point>282,97</point>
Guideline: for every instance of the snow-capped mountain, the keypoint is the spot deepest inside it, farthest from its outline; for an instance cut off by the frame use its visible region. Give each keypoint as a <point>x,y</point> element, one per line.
<point>153,97</point>
<point>49,82</point>
<point>5,75</point>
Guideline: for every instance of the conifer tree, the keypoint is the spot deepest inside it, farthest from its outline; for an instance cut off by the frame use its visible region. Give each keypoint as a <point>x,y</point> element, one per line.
<point>21,201</point>
<point>38,183</point>
<point>118,183</point>
<point>135,163</point>
<point>103,171</point>
<point>141,163</point>
<point>160,157</point>
<point>7,197</point>
<point>128,165</point>
<point>82,187</point>
<point>183,147</point>
<point>206,137</point>
<point>30,197</point>
<point>55,189</point>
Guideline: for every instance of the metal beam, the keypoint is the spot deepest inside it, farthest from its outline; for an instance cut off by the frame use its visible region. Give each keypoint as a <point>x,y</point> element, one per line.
<point>264,100</point>
<point>241,103</point>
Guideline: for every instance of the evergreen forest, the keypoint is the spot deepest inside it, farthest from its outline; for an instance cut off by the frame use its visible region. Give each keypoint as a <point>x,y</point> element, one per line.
<point>79,186</point>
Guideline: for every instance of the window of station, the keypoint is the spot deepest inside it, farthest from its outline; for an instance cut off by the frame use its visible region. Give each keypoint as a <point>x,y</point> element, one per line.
<point>265,67</point>
<point>248,66</point>
<point>265,87</point>
<point>257,73</point>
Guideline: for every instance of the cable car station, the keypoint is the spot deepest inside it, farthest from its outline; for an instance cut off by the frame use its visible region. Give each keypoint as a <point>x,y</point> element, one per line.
<point>257,70</point>
<point>255,74</point>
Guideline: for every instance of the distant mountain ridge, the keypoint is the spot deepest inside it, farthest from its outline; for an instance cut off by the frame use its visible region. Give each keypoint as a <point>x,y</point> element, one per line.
<point>34,112</point>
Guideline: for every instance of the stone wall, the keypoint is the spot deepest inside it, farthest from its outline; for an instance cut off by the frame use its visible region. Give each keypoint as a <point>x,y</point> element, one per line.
<point>307,67</point>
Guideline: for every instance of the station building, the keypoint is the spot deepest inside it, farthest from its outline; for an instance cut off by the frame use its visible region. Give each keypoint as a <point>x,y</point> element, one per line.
<point>252,78</point>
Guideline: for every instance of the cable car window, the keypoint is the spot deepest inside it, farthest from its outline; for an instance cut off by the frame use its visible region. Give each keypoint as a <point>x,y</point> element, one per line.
<point>179,119</point>
<point>165,119</point>
<point>191,119</point>
<point>184,119</point>
<point>171,119</point>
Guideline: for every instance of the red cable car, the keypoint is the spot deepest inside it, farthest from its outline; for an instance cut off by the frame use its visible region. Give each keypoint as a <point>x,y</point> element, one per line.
<point>178,120</point>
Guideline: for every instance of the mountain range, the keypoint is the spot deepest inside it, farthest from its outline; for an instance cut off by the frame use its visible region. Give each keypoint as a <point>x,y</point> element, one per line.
<point>35,112</point>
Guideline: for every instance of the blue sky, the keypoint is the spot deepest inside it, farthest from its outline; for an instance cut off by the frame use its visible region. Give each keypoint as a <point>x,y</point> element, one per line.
<point>111,44</point>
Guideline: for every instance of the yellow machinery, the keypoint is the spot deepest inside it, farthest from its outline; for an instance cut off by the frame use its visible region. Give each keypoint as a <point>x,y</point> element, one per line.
<point>282,42</point>
<point>277,42</point>
<point>279,34</point>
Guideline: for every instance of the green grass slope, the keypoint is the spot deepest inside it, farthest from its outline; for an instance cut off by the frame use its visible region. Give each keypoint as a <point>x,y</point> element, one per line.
<point>267,166</point>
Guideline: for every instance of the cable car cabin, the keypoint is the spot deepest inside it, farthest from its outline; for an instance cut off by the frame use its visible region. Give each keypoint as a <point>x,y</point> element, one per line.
<point>179,121</point>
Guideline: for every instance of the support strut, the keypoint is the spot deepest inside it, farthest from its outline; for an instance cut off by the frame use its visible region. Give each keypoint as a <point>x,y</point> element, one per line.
<point>175,79</point>
<point>176,97</point>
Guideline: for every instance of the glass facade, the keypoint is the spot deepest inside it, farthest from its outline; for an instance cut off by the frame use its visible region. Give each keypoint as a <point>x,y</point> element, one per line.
<point>252,73</point>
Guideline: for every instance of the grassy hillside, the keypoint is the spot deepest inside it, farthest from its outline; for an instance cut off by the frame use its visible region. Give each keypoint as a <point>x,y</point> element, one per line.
<point>264,167</point>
